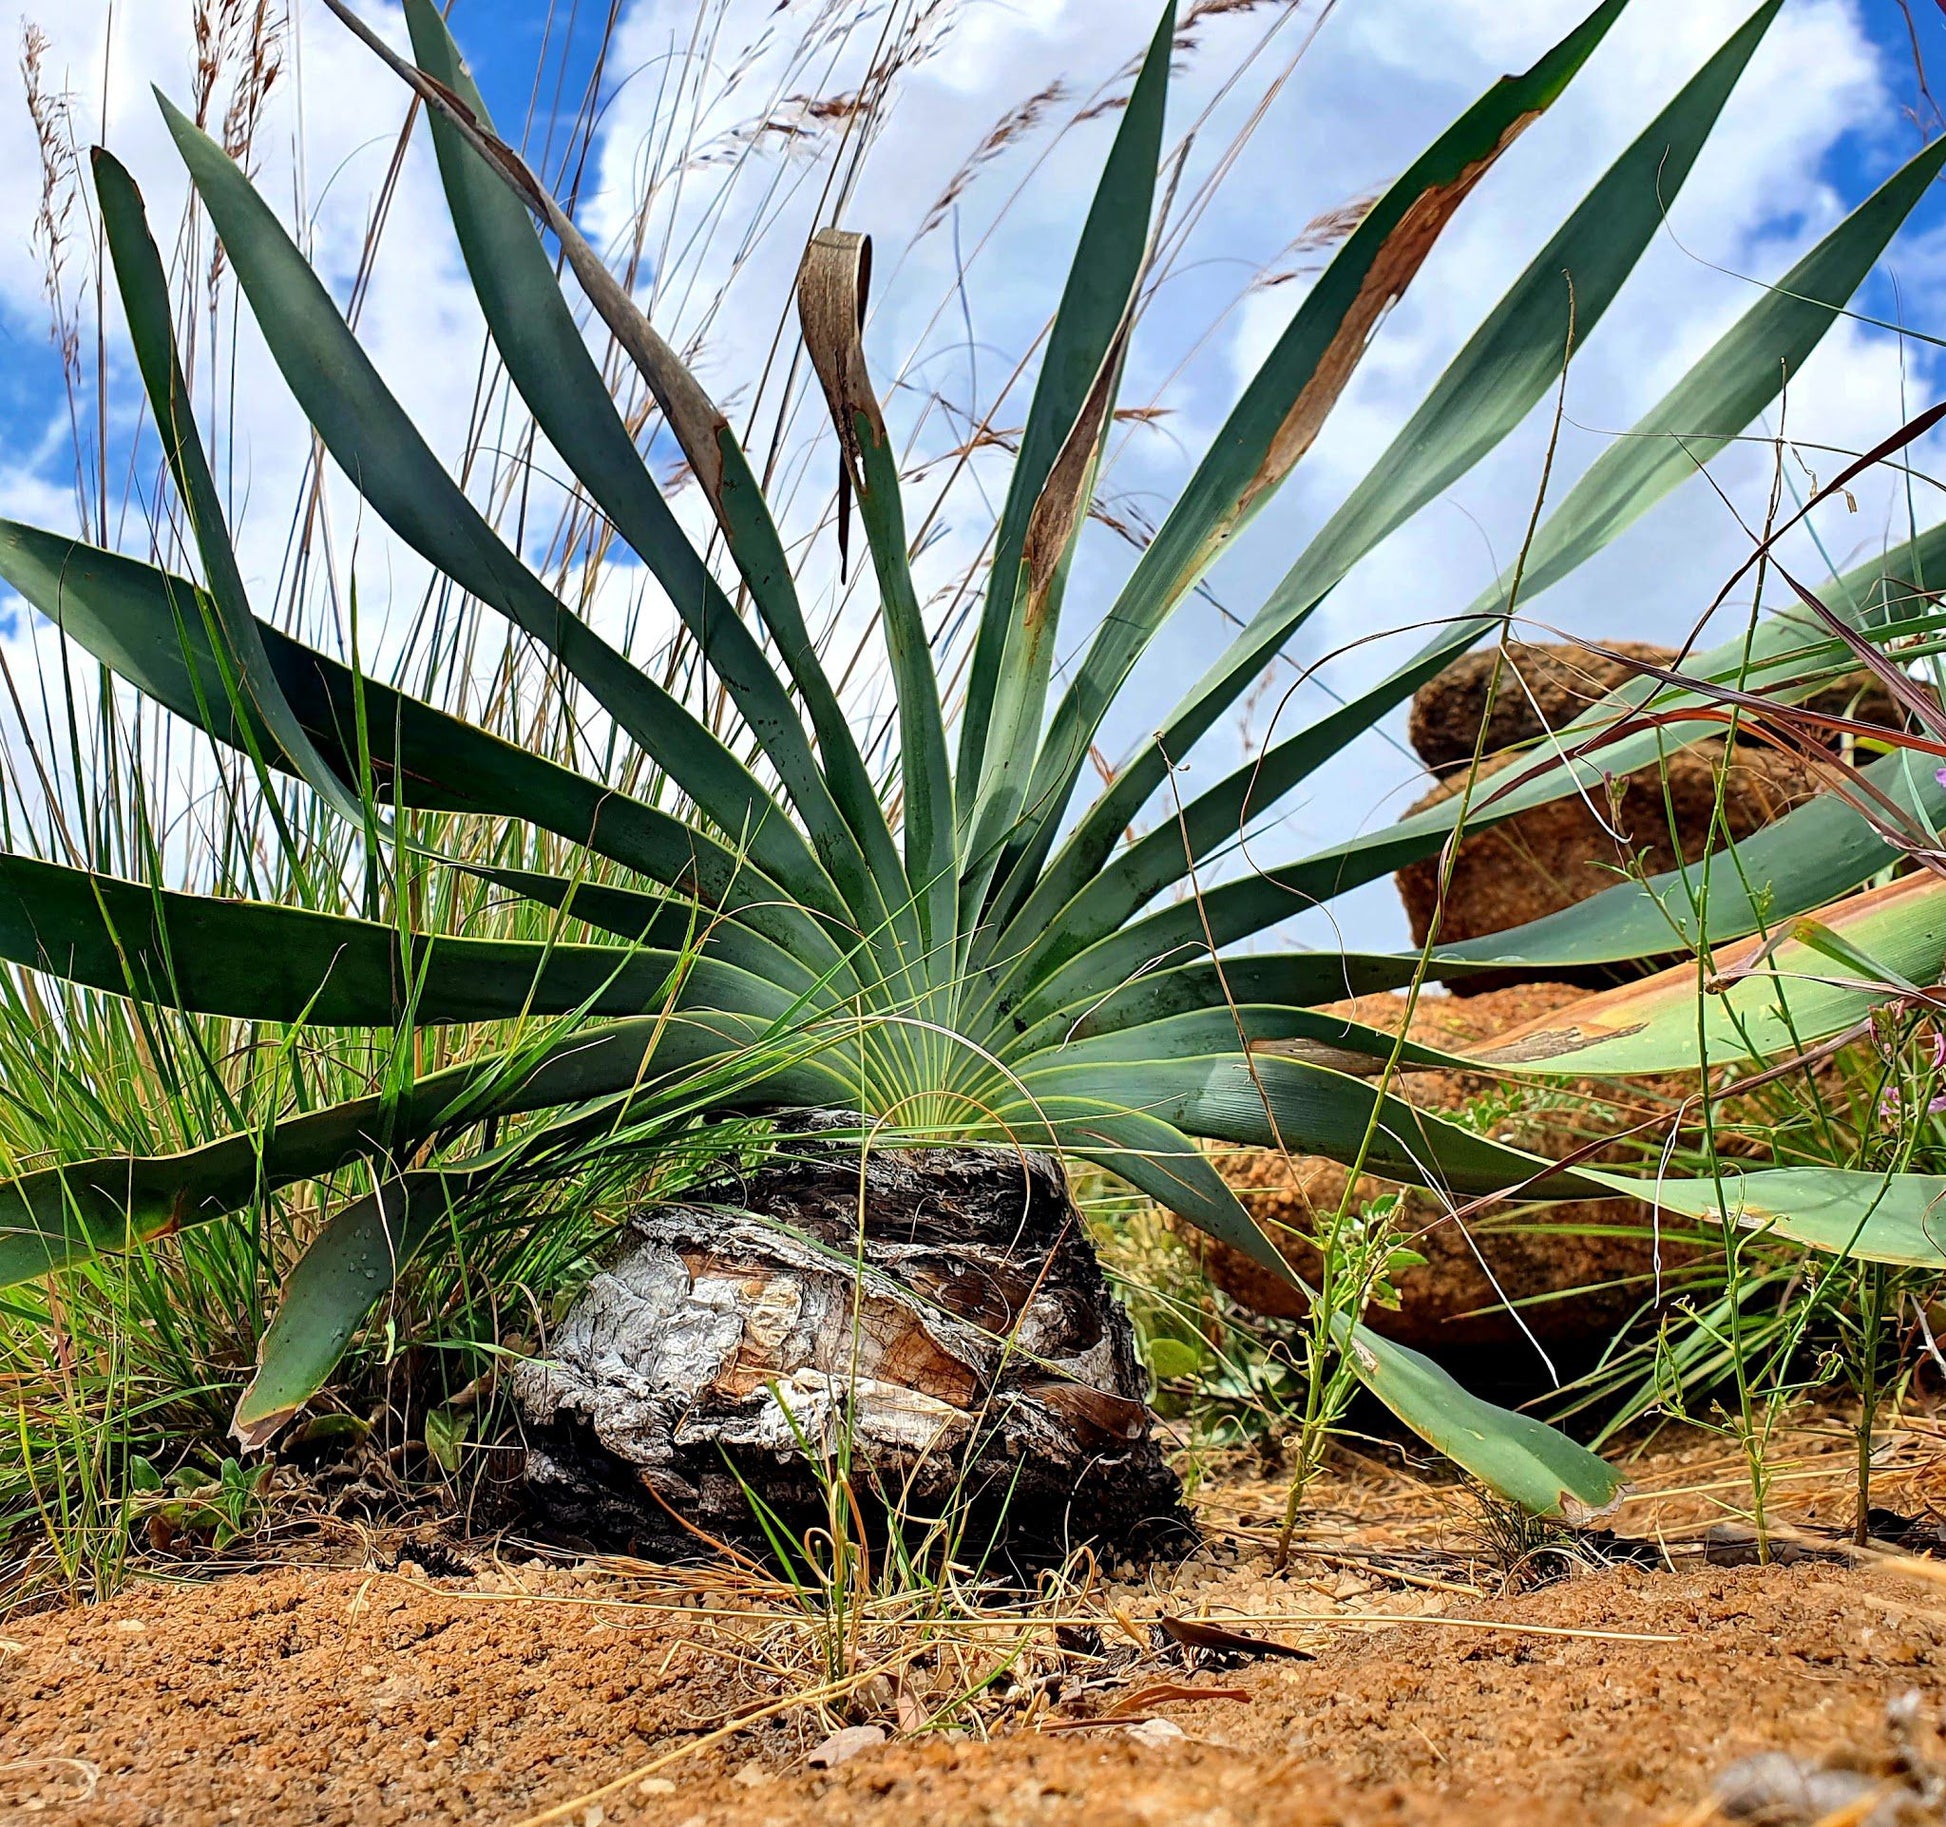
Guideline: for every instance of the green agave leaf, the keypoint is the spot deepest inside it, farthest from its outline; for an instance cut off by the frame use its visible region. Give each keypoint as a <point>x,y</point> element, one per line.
<point>1523,1459</point>
<point>1534,1465</point>
<point>376,444</point>
<point>1487,390</point>
<point>145,302</point>
<point>550,364</point>
<point>1813,854</point>
<point>1221,1026</point>
<point>1810,856</point>
<point>1052,489</point>
<point>1702,414</point>
<point>1268,1101</point>
<point>64,1214</point>
<point>1768,999</point>
<point>722,471</point>
<point>1285,405</point>
<point>670,923</point>
<point>1290,980</point>
<point>1155,1157</point>
<point>259,962</point>
<point>153,630</point>
<point>831,290</point>
<point>1765,1000</point>
<point>346,1269</point>
<point>1101,284</point>
<point>1872,1217</point>
<point>358,1254</point>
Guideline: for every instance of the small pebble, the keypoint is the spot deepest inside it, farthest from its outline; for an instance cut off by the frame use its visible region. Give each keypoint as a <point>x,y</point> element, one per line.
<point>655,1785</point>
<point>841,1746</point>
<point>1784,1791</point>
<point>1155,1732</point>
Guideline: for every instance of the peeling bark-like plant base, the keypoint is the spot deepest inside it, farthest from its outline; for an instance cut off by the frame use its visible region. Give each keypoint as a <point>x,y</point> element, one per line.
<point>933,1319</point>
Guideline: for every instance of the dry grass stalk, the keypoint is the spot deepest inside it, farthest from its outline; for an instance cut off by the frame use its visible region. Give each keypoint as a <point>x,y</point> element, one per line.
<point>52,113</point>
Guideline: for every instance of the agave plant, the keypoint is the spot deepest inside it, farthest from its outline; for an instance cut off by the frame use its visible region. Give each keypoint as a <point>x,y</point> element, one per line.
<point>964,949</point>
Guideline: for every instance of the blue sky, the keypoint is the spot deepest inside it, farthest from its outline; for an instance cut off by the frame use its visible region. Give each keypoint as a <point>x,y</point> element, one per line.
<point>1818,124</point>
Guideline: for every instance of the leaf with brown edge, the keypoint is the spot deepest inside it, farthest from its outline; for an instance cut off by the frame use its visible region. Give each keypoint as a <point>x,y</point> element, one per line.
<point>693,417</point>
<point>1281,410</point>
<point>833,282</point>
<point>1063,501</point>
<point>1765,996</point>
<point>878,890</point>
<point>1393,268</point>
<point>1019,692</point>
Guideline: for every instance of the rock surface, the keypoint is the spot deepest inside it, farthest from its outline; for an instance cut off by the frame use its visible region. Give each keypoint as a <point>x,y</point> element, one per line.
<point>1545,685</point>
<point>1451,1306</point>
<point>979,1351</point>
<point>1552,856</point>
<point>1543,860</point>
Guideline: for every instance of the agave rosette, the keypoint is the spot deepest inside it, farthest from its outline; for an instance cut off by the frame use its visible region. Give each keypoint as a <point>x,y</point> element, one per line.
<point>996,963</point>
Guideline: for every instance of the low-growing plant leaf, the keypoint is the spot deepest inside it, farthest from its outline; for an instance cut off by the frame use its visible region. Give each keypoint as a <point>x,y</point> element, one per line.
<point>1762,998</point>
<point>346,1269</point>
<point>1893,1218</point>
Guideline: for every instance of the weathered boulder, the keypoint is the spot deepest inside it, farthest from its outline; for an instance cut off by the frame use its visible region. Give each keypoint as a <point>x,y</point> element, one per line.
<point>939,1310</point>
<point>1543,686</point>
<point>1552,856</point>
<point>1574,1260</point>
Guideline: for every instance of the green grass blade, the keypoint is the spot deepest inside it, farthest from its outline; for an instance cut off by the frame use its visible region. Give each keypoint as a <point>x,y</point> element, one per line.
<point>60,1215</point>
